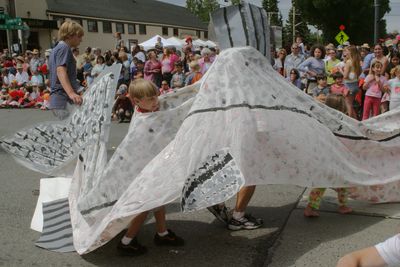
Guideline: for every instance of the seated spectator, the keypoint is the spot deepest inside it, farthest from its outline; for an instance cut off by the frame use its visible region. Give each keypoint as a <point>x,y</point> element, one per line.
<point>29,99</point>
<point>132,68</point>
<point>3,97</point>
<point>87,69</point>
<point>25,65</point>
<point>14,96</point>
<point>122,108</point>
<point>178,79</point>
<point>321,91</point>
<point>139,70</point>
<point>5,79</point>
<point>279,63</point>
<point>22,76</point>
<point>164,89</point>
<point>99,67</point>
<point>338,87</point>
<point>195,73</point>
<point>46,99</point>
<point>294,78</point>
<point>37,79</point>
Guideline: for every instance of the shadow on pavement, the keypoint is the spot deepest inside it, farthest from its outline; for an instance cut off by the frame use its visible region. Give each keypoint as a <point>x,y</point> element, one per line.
<point>206,244</point>
<point>315,236</point>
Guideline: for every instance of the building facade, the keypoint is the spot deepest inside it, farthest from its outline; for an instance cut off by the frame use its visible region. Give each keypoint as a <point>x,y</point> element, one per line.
<point>137,20</point>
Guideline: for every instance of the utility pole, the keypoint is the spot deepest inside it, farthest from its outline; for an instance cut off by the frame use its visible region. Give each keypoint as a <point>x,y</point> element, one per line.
<point>9,33</point>
<point>294,23</point>
<point>376,22</point>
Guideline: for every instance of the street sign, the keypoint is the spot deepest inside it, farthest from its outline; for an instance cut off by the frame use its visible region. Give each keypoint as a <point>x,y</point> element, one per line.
<point>12,23</point>
<point>17,20</point>
<point>13,27</point>
<point>341,37</point>
<point>4,16</point>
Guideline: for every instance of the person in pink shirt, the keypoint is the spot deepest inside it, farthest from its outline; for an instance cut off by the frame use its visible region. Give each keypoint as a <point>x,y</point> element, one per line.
<point>164,89</point>
<point>168,64</point>
<point>338,87</point>
<point>152,69</point>
<point>374,85</point>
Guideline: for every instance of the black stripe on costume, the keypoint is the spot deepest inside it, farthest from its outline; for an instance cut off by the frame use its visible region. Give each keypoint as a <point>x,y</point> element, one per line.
<point>47,211</point>
<point>244,24</point>
<point>255,28</point>
<point>265,33</point>
<point>228,27</point>
<point>98,207</point>
<point>58,215</point>
<point>68,226</point>
<point>56,223</point>
<point>284,108</point>
<point>56,202</point>
<point>54,239</point>
<point>208,172</point>
<point>60,247</point>
<point>245,105</point>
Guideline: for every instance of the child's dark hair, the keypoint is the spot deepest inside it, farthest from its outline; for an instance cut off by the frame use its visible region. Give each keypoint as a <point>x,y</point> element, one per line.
<point>42,87</point>
<point>337,75</point>
<point>296,72</point>
<point>320,47</point>
<point>337,102</point>
<point>29,88</point>
<point>321,77</point>
<point>178,63</point>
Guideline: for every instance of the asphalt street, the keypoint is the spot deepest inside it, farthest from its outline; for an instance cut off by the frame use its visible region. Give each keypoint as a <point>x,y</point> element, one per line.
<point>286,239</point>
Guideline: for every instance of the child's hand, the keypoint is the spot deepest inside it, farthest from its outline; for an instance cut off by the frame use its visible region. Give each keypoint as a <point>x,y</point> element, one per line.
<point>386,88</point>
<point>321,98</point>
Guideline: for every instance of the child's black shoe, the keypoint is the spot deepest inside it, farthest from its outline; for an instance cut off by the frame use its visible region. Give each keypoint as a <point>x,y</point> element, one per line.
<point>132,249</point>
<point>171,239</point>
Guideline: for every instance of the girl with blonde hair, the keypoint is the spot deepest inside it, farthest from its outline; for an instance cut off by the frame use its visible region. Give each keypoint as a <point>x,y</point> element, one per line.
<point>351,72</point>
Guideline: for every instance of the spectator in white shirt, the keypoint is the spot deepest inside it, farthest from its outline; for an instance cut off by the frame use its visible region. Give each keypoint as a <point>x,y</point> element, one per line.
<point>22,76</point>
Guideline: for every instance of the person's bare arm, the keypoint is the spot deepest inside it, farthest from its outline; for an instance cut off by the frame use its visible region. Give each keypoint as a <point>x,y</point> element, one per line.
<point>368,257</point>
<point>66,84</point>
<point>346,70</point>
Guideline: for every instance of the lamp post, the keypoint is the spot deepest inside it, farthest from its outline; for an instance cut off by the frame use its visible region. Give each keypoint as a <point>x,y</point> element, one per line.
<point>294,23</point>
<point>376,22</point>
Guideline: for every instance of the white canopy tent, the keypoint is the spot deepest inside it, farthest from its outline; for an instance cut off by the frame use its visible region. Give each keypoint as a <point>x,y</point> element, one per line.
<point>178,43</point>
<point>211,43</point>
<point>151,43</point>
<point>199,42</point>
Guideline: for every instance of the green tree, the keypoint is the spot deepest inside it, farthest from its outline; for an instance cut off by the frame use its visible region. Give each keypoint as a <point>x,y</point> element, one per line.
<point>300,29</point>
<point>275,16</point>
<point>235,2</point>
<point>202,8</point>
<point>356,15</point>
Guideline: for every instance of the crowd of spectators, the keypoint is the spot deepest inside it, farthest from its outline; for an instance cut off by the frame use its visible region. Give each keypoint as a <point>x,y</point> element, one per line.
<point>366,77</point>
<point>346,70</point>
<point>24,78</point>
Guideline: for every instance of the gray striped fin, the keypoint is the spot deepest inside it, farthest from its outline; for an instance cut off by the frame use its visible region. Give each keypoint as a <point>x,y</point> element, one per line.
<point>241,25</point>
<point>57,228</point>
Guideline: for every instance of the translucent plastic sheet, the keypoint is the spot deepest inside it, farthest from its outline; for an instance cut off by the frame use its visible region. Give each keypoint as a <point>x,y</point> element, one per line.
<point>242,124</point>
